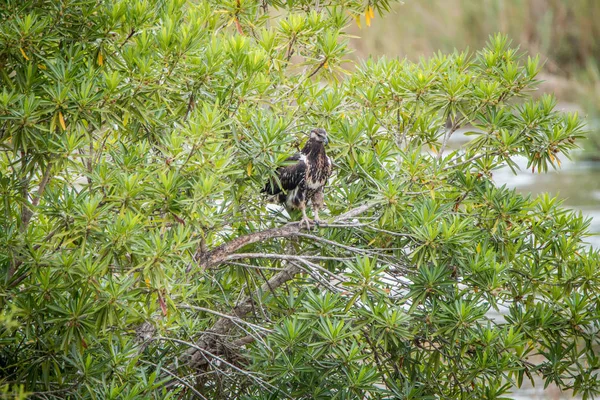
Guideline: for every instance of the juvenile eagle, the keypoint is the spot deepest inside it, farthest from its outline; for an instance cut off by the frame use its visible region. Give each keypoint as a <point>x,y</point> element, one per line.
<point>304,177</point>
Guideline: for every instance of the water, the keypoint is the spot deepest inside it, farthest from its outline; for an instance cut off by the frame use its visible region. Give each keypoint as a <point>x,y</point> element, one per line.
<point>577,183</point>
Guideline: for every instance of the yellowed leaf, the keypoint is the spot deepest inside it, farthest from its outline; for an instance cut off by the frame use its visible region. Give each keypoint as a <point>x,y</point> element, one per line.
<point>61,119</point>
<point>23,52</point>
<point>478,248</point>
<point>326,65</point>
<point>368,17</point>
<point>147,282</point>
<point>432,193</point>
<point>42,66</point>
<point>495,227</point>
<point>371,12</point>
<point>100,58</point>
<point>249,168</point>
<point>357,19</point>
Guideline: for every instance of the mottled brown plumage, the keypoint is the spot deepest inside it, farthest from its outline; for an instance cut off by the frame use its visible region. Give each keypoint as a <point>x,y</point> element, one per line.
<point>304,179</point>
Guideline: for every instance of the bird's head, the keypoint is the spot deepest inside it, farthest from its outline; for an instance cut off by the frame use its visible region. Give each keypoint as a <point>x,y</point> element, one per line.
<point>319,135</point>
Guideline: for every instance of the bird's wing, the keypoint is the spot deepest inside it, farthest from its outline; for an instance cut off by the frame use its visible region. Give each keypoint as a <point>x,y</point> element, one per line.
<point>289,176</point>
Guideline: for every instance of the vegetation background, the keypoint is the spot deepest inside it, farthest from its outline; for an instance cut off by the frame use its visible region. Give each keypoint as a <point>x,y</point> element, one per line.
<point>565,33</point>
<point>138,260</point>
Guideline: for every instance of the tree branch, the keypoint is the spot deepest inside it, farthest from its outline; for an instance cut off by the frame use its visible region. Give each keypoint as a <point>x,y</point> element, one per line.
<point>28,211</point>
<point>213,258</point>
<point>287,257</point>
<point>210,341</point>
<point>468,161</point>
<point>208,355</point>
<point>232,318</point>
<point>195,357</point>
<point>42,185</point>
<point>177,378</point>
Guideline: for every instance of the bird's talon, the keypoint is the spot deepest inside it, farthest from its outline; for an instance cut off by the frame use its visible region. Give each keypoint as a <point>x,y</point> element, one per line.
<point>305,222</point>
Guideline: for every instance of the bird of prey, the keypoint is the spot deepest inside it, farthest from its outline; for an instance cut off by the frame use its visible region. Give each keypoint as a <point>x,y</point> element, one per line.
<point>303,177</point>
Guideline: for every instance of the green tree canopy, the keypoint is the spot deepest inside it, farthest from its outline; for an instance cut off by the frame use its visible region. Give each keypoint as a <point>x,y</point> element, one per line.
<point>139,260</point>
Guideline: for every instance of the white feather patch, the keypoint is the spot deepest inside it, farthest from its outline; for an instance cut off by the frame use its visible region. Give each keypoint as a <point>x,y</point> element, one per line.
<point>290,195</point>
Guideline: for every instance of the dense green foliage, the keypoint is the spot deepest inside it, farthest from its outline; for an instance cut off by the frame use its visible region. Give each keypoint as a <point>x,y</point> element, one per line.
<point>564,32</point>
<point>135,139</point>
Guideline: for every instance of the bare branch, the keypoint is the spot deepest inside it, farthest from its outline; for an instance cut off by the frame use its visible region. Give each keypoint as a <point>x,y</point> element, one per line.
<point>216,256</point>
<point>284,257</point>
<point>447,135</point>
<point>231,317</point>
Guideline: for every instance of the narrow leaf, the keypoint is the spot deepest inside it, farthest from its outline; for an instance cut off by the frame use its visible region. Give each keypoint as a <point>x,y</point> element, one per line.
<point>23,52</point>
<point>61,119</point>
<point>357,19</point>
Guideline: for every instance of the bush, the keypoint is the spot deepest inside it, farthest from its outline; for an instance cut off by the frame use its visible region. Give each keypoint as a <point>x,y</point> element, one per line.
<point>140,261</point>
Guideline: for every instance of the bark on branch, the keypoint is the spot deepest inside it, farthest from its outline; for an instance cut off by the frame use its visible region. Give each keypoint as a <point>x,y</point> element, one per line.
<point>213,258</point>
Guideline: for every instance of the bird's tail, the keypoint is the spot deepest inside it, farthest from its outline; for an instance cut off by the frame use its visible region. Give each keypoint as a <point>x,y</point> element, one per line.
<point>271,188</point>
<point>282,197</point>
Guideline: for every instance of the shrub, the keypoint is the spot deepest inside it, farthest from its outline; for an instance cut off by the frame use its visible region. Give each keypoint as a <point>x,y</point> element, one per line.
<point>140,261</point>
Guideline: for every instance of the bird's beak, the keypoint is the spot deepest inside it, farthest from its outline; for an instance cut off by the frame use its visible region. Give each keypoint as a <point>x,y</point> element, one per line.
<point>326,141</point>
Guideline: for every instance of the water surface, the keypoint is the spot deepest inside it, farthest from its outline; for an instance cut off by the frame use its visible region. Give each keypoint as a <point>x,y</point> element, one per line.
<point>576,182</point>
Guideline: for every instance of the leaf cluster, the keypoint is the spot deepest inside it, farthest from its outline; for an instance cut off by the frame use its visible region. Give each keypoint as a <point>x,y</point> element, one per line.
<point>135,137</point>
